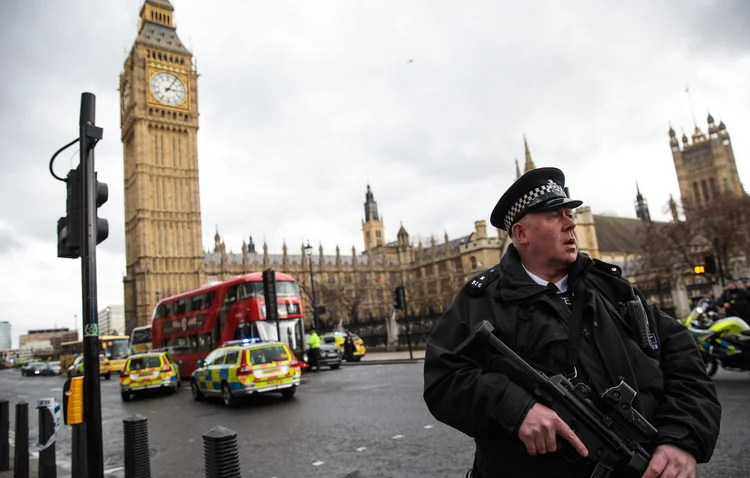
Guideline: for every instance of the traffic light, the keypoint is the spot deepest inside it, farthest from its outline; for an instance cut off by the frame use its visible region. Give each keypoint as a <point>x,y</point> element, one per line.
<point>710,264</point>
<point>102,225</point>
<point>269,293</point>
<point>399,298</point>
<point>69,227</point>
<point>699,269</point>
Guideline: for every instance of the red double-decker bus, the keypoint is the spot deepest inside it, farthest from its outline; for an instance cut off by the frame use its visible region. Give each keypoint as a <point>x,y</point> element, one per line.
<point>194,323</point>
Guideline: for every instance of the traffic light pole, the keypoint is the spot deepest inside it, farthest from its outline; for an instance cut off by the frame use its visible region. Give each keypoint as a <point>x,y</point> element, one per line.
<point>92,413</point>
<point>717,252</point>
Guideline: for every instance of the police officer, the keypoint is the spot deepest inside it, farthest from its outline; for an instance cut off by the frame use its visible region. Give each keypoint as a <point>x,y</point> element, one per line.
<point>736,300</point>
<point>542,294</point>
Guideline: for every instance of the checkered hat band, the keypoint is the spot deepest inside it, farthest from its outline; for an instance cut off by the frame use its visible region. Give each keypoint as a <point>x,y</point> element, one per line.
<point>529,198</point>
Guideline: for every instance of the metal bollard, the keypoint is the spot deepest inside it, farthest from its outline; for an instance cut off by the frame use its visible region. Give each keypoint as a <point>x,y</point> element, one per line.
<point>47,465</point>
<point>222,457</point>
<point>4,435</point>
<point>21,452</point>
<point>137,458</point>
<point>78,461</point>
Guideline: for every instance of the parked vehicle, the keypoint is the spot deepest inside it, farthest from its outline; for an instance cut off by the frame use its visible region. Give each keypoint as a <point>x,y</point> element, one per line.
<point>76,370</point>
<point>724,343</point>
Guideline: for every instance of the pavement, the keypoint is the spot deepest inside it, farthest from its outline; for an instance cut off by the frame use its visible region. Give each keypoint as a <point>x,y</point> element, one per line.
<point>382,358</point>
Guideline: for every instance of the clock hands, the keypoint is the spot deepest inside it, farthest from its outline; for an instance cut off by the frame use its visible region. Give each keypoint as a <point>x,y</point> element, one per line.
<point>169,88</point>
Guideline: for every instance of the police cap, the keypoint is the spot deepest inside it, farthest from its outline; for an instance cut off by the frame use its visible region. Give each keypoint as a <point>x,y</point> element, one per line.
<point>538,190</point>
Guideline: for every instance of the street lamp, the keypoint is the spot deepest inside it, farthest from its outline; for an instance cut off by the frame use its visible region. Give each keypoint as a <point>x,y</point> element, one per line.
<point>308,250</point>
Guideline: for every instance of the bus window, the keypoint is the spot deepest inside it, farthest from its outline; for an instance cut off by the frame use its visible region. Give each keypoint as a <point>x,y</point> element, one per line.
<point>285,289</point>
<point>257,289</point>
<point>231,295</point>
<point>246,330</point>
<point>181,306</point>
<point>197,302</point>
<point>116,349</point>
<point>209,299</point>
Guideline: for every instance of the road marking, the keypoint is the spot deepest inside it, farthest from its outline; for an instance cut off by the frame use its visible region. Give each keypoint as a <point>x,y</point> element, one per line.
<point>152,411</point>
<point>427,427</point>
<point>22,396</point>
<point>176,408</point>
<point>362,448</point>
<point>318,463</point>
<point>113,470</point>
<point>55,389</point>
<point>396,437</point>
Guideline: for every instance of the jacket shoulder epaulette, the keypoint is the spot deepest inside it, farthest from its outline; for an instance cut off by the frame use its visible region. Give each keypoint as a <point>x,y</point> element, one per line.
<point>477,285</point>
<point>611,269</point>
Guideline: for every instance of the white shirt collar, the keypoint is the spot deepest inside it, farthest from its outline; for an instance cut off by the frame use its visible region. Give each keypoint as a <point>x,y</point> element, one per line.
<point>562,284</point>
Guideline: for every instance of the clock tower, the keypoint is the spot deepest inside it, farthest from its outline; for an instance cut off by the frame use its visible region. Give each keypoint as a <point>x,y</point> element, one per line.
<point>159,129</point>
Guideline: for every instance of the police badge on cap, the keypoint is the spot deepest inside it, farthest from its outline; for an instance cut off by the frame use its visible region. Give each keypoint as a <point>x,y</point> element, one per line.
<point>538,190</point>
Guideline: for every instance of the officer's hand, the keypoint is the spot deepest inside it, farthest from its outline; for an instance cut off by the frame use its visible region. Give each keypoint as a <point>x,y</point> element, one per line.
<point>539,429</point>
<point>670,461</point>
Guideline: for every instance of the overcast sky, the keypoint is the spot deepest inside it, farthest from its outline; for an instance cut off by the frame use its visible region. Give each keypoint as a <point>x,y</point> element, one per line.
<point>302,104</point>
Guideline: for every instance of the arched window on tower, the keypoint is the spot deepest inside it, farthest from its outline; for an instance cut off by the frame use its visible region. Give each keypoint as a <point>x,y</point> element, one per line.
<point>473,261</point>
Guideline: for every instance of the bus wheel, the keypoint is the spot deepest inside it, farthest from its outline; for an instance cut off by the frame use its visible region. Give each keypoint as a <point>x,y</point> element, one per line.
<point>106,377</point>
<point>125,396</point>
<point>226,395</point>
<point>197,394</point>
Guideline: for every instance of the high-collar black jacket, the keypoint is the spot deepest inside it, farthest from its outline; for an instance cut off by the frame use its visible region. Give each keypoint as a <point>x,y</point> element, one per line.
<point>482,395</point>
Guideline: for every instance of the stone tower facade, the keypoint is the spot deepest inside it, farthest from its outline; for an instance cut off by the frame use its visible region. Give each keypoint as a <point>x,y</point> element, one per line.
<point>159,128</point>
<point>705,166</point>
<point>372,225</point>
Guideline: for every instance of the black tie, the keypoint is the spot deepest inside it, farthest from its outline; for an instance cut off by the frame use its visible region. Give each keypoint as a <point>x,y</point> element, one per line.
<point>553,287</point>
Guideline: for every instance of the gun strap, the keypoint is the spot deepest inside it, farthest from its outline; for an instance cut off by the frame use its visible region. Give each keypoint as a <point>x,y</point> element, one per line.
<point>576,326</point>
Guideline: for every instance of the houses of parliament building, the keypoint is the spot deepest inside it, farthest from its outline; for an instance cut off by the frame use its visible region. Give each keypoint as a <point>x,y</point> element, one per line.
<point>163,226</point>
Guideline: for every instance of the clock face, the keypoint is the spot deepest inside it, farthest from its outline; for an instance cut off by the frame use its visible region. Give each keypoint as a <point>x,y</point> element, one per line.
<point>168,89</point>
<point>125,96</point>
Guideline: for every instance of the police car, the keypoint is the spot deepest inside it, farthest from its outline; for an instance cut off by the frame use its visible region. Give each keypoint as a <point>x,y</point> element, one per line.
<point>149,371</point>
<point>241,368</point>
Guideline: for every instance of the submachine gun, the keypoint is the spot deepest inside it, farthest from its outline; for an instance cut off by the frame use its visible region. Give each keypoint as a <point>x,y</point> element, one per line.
<point>608,425</point>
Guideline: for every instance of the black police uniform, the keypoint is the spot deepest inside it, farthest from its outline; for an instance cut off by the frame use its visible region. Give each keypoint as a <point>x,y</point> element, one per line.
<point>739,303</point>
<point>483,396</point>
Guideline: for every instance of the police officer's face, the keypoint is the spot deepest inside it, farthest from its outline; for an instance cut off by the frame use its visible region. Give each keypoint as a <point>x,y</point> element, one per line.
<point>550,236</point>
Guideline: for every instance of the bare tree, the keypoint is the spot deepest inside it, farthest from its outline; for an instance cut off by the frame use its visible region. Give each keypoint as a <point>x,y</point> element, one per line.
<point>343,305</point>
<point>723,222</point>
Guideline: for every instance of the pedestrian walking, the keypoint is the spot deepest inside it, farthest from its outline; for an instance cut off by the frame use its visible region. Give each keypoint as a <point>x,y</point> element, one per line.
<point>530,297</point>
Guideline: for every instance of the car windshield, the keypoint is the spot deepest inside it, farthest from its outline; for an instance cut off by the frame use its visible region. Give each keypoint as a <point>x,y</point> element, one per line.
<point>140,363</point>
<point>275,353</point>
<point>329,339</point>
